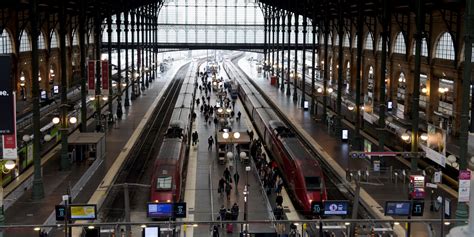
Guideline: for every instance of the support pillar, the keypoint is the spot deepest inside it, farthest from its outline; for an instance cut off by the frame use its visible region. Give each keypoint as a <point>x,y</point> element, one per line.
<point>109,51</point>
<point>295,86</point>
<point>303,73</point>
<point>358,141</point>
<point>272,68</point>
<point>127,76</point>
<point>98,39</point>
<point>82,46</point>
<point>325,66</point>
<point>38,189</point>
<point>288,89</point>
<point>265,40</point>
<point>119,111</point>
<point>314,102</point>
<point>277,65</point>
<point>65,163</point>
<point>282,70</point>
<point>133,72</point>
<point>383,66</point>
<point>340,62</point>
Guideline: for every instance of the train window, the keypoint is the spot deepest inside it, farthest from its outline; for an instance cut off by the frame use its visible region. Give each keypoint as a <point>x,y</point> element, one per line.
<point>313,183</point>
<point>164,182</point>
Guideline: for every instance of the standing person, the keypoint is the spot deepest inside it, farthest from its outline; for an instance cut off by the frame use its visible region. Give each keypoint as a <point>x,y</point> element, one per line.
<point>235,211</point>
<point>279,200</point>
<point>236,180</point>
<point>238,115</point>
<point>228,188</point>
<point>278,184</point>
<point>195,138</point>
<point>215,231</point>
<point>227,175</point>
<point>210,140</point>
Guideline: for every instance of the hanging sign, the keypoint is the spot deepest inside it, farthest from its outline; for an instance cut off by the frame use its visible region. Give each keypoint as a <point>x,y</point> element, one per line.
<point>105,77</point>
<point>464,185</point>
<point>91,77</point>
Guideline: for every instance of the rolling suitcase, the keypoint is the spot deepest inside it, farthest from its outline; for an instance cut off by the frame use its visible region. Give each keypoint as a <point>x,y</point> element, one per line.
<point>230,228</point>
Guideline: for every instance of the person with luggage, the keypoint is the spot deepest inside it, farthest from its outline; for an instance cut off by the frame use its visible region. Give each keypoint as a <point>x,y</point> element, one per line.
<point>230,226</point>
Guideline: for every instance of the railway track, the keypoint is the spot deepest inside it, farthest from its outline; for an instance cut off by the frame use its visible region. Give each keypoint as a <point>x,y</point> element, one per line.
<point>336,188</point>
<point>135,170</point>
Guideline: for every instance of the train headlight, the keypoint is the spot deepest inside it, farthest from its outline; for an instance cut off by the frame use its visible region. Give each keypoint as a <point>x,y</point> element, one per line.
<point>168,200</point>
<point>156,201</point>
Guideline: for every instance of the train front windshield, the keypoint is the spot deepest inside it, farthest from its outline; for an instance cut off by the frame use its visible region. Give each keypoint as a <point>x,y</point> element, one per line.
<point>163,183</point>
<point>313,183</point>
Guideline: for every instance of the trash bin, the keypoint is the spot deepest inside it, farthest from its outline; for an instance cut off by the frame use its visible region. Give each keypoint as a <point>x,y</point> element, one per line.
<point>273,80</point>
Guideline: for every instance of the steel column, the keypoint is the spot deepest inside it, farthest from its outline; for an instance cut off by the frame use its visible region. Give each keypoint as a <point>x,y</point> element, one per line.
<point>109,51</point>
<point>134,78</point>
<point>38,189</point>
<point>288,92</point>
<point>119,111</point>
<point>314,102</point>
<point>383,68</point>
<point>325,65</point>
<point>282,70</point>
<point>295,86</point>
<point>357,141</point>
<point>303,73</point>
<point>340,62</point>
<point>277,47</point>
<point>65,163</point>
<point>97,35</point>
<point>82,46</point>
<point>127,76</point>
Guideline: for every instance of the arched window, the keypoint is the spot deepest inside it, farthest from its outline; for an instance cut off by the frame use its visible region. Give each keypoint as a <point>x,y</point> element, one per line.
<point>355,42</point>
<point>25,45</point>
<point>54,40</point>
<point>400,46</point>
<point>41,44</point>
<point>369,42</point>
<point>424,48</point>
<point>379,44</point>
<point>346,40</point>
<point>330,39</point>
<point>445,47</point>
<point>75,38</point>
<point>6,42</point>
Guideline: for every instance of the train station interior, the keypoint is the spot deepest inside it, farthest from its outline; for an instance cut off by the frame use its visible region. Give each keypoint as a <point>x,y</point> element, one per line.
<point>151,118</point>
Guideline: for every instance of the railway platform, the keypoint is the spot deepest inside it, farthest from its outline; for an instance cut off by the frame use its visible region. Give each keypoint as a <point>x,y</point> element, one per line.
<point>374,191</point>
<point>57,183</point>
<point>204,172</point>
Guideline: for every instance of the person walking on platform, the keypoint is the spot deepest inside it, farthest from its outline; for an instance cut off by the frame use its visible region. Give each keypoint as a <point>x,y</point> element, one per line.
<point>228,188</point>
<point>195,138</point>
<point>236,180</point>
<point>210,140</point>
<point>227,175</point>
<point>215,231</point>
<point>238,115</point>
<point>221,186</point>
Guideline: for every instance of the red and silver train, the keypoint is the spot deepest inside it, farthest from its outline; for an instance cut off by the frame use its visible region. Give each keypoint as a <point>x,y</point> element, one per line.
<point>167,178</point>
<point>300,170</point>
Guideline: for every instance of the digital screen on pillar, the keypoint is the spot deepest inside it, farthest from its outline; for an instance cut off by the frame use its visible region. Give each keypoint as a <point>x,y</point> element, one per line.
<point>43,95</point>
<point>389,106</point>
<point>397,208</point>
<point>336,208</point>
<point>7,121</point>
<point>83,212</point>
<point>160,210</point>
<point>56,89</point>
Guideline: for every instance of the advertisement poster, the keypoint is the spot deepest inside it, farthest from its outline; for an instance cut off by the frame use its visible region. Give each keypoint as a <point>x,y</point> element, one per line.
<point>435,146</point>
<point>105,77</point>
<point>83,212</point>
<point>7,122</point>
<point>10,151</point>
<point>91,77</point>
<point>464,185</point>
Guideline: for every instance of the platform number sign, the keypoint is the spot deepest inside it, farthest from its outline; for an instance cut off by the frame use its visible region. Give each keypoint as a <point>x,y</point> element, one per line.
<point>417,208</point>
<point>180,210</point>
<point>317,208</point>
<point>60,212</point>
